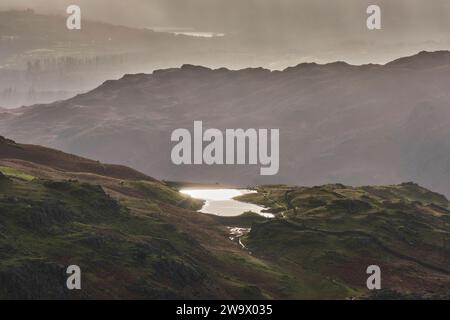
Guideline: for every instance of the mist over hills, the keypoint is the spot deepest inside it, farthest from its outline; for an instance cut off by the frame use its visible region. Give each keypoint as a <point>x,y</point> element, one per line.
<point>358,125</point>
<point>41,61</point>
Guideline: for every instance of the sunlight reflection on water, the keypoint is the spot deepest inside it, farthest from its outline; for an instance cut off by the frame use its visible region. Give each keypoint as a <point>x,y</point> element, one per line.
<point>221,202</point>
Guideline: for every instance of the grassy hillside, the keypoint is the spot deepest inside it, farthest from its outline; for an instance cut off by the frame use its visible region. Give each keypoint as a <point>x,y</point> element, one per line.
<point>46,225</point>
<point>137,237</point>
<point>336,232</point>
<point>132,238</point>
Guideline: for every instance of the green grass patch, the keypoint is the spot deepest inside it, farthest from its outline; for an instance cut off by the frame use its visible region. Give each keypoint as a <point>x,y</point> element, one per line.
<point>14,173</point>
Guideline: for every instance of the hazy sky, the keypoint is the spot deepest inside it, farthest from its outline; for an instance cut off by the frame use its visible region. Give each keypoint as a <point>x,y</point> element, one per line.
<point>277,15</point>
<point>277,23</point>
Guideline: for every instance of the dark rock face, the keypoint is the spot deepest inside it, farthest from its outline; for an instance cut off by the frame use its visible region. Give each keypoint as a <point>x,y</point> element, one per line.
<point>358,125</point>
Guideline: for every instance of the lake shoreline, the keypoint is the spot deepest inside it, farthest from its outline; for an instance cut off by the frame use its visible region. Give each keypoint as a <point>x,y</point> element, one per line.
<point>221,202</point>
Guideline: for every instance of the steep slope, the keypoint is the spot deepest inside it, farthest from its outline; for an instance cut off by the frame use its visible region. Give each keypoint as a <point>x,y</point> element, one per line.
<point>372,124</point>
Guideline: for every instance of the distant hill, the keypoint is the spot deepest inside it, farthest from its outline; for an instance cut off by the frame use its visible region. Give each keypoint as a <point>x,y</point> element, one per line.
<point>358,125</point>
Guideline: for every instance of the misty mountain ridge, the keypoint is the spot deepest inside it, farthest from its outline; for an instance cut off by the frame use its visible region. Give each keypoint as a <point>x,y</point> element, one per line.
<point>357,125</point>
<point>42,61</point>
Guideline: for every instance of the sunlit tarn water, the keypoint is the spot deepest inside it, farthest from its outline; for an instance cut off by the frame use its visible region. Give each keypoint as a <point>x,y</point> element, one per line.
<point>220,202</point>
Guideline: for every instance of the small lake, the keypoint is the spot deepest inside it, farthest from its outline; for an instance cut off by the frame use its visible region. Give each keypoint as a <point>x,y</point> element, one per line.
<point>220,202</point>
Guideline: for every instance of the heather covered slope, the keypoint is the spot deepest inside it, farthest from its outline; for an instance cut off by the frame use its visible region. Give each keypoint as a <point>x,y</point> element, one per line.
<point>358,125</point>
